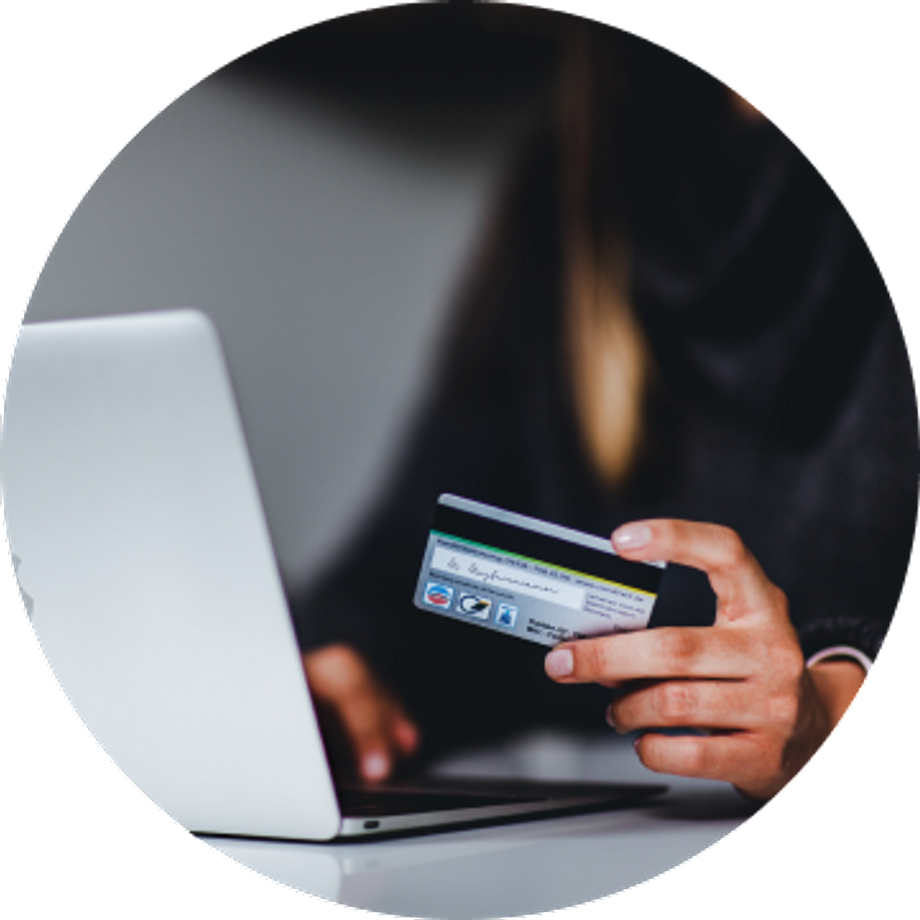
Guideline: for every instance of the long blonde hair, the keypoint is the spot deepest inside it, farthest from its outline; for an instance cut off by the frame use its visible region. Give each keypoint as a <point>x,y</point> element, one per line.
<point>608,359</point>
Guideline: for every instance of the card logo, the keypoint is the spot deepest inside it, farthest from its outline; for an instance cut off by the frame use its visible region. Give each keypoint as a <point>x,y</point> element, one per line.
<point>438,595</point>
<point>475,606</point>
<point>506,615</point>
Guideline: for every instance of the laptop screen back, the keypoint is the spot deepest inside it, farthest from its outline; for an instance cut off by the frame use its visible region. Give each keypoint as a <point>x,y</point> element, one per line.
<point>134,515</point>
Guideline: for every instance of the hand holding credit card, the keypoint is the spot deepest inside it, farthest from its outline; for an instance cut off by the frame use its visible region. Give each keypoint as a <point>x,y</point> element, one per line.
<point>529,578</point>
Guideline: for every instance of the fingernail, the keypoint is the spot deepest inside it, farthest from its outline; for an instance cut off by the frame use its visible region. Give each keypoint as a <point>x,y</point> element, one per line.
<point>406,735</point>
<point>559,663</point>
<point>609,717</point>
<point>375,766</point>
<point>632,536</point>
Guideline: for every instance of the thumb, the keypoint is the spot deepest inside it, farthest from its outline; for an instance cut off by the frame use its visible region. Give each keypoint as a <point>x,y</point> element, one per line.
<point>740,585</point>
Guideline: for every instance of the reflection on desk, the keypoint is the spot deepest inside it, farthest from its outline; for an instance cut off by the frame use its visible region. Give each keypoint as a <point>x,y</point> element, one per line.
<point>519,868</point>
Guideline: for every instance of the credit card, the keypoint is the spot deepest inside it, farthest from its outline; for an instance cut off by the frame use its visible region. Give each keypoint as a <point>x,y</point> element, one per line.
<point>528,578</point>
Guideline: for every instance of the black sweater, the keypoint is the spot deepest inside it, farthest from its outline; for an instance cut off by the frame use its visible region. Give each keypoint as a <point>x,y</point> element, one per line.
<point>782,407</point>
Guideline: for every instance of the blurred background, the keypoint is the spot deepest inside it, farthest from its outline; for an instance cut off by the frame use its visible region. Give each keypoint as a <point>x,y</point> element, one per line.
<point>320,200</point>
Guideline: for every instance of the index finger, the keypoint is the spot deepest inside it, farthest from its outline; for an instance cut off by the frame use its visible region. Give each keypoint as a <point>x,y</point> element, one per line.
<point>656,654</point>
<point>735,575</point>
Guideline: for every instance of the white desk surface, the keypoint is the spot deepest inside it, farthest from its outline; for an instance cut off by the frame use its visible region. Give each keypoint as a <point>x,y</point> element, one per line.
<point>520,868</point>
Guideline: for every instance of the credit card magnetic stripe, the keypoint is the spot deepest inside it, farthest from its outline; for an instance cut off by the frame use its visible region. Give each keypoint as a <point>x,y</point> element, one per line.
<point>542,548</point>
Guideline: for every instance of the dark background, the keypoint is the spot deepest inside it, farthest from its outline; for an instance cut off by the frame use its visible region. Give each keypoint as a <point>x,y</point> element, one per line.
<point>75,85</point>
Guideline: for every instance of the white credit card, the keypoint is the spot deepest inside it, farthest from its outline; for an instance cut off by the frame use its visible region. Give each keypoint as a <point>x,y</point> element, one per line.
<point>529,578</point>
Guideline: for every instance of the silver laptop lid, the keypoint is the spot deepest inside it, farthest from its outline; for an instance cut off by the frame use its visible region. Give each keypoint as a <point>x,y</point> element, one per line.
<point>133,511</point>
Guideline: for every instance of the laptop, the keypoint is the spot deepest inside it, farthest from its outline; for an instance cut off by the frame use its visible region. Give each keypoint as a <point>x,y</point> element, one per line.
<point>144,559</point>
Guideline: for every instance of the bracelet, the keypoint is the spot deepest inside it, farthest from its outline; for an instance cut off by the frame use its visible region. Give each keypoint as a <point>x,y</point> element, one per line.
<point>841,651</point>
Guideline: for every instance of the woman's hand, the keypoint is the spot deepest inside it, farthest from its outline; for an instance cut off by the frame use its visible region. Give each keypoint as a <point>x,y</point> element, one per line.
<point>744,678</point>
<point>357,711</point>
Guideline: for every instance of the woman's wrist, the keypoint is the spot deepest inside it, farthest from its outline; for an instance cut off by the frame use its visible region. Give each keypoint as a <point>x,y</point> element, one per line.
<point>836,682</point>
